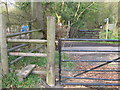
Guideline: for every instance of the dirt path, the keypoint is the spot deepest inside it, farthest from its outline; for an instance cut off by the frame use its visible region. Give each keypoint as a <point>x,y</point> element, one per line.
<point>93,56</point>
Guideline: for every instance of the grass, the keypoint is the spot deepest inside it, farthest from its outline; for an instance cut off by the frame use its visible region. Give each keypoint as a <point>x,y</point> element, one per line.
<point>104,42</point>
<point>11,80</point>
<point>64,64</point>
<point>32,80</point>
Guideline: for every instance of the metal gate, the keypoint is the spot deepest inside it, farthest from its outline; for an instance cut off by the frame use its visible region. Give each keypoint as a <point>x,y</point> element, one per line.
<point>72,72</point>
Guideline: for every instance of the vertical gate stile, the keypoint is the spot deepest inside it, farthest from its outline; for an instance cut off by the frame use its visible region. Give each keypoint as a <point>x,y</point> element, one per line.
<point>59,46</point>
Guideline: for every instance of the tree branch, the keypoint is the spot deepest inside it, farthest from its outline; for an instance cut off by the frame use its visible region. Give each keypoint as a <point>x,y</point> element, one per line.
<point>83,12</point>
<point>78,6</point>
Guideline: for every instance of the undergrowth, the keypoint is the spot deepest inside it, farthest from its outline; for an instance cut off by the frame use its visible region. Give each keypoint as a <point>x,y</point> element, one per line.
<point>32,80</point>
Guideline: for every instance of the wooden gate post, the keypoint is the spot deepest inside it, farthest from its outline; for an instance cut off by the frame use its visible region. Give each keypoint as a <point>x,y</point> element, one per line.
<point>107,24</point>
<point>50,79</point>
<point>3,45</point>
<point>68,29</point>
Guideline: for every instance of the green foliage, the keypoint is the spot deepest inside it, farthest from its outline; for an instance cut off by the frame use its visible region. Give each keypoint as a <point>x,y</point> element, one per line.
<point>86,15</point>
<point>67,65</point>
<point>82,15</point>
<point>103,35</point>
<point>31,81</point>
<point>70,11</point>
<point>111,34</point>
<point>25,6</point>
<point>11,80</point>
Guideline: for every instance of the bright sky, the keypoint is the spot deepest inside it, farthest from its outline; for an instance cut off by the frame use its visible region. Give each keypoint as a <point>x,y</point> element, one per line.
<point>9,2</point>
<point>12,1</point>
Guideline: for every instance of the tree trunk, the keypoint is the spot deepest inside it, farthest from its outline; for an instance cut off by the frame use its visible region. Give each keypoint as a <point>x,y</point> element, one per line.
<point>38,14</point>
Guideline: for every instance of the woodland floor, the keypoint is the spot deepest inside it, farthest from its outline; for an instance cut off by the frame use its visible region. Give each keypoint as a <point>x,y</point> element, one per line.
<point>88,65</point>
<point>41,65</point>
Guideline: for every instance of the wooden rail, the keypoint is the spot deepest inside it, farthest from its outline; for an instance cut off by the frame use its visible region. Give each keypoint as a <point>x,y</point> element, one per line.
<point>26,41</point>
<point>36,72</point>
<point>27,54</point>
<point>21,33</point>
<point>19,58</point>
<point>16,47</point>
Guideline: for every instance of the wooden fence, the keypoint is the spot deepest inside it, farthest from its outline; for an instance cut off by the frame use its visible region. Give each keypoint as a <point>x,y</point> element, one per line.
<point>50,42</point>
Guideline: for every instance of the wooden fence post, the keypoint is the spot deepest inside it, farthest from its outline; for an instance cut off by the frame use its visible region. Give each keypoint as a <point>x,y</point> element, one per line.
<point>0,77</point>
<point>51,51</point>
<point>107,27</point>
<point>3,44</point>
<point>68,29</point>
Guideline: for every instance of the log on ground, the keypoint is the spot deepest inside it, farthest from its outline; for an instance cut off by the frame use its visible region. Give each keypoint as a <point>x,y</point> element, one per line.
<point>25,72</point>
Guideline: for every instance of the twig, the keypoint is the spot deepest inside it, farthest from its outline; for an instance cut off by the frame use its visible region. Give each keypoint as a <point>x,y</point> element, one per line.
<point>83,12</point>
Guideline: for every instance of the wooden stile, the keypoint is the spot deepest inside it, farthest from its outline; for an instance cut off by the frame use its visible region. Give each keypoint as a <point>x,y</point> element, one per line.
<point>50,79</point>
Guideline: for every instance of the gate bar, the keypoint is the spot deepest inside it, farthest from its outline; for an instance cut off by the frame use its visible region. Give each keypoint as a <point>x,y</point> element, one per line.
<point>89,50</point>
<point>75,39</point>
<point>89,30</point>
<point>92,70</point>
<point>91,78</point>
<point>96,67</point>
<point>88,61</point>
<point>91,84</point>
<point>60,56</point>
